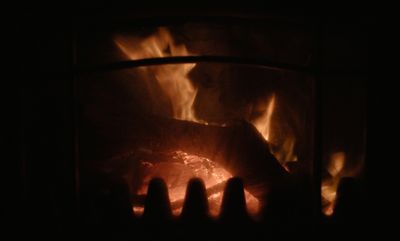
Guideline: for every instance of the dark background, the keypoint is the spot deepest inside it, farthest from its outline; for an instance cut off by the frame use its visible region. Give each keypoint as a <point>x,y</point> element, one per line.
<point>40,192</point>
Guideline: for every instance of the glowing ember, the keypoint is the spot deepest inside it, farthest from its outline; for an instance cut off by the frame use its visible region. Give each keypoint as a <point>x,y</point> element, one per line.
<point>178,170</point>
<point>329,186</point>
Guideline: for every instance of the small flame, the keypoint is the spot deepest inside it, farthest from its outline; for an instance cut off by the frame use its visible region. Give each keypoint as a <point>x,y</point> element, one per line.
<point>173,79</point>
<point>263,123</point>
<point>329,186</point>
<point>285,152</point>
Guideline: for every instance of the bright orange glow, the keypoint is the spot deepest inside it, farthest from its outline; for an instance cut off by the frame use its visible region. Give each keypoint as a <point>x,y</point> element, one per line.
<point>329,186</point>
<point>177,172</point>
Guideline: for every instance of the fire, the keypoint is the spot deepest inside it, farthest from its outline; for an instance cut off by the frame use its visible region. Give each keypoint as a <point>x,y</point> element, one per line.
<point>329,186</point>
<point>263,123</point>
<point>176,85</point>
<point>285,152</point>
<point>173,78</point>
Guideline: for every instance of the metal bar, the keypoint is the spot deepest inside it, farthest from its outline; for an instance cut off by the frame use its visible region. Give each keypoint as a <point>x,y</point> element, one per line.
<point>193,59</point>
<point>75,120</point>
<point>318,127</point>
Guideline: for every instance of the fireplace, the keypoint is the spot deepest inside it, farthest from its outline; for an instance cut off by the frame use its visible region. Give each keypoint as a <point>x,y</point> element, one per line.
<point>235,124</point>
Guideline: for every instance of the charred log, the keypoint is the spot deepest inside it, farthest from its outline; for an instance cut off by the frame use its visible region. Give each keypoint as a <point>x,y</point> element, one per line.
<point>239,148</point>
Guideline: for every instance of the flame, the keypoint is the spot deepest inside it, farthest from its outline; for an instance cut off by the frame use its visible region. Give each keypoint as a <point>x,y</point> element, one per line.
<point>263,123</point>
<point>329,186</point>
<point>285,152</point>
<point>173,78</point>
<point>179,89</point>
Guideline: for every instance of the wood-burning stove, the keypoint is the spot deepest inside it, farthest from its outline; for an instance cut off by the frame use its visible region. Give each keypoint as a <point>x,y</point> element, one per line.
<point>246,102</point>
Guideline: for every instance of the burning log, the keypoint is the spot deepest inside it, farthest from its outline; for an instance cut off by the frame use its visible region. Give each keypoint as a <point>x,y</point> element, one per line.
<point>239,148</point>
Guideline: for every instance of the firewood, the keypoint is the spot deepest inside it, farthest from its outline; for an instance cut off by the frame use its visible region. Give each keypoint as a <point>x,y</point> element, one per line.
<point>239,148</point>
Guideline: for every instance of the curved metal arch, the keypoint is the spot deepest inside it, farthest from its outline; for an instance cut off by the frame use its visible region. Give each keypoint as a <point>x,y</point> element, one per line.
<point>259,62</point>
